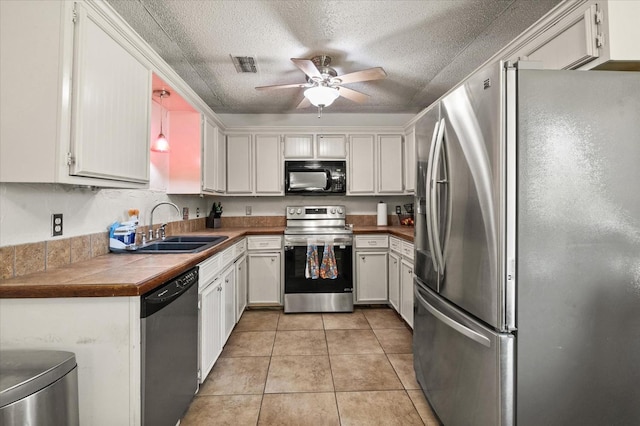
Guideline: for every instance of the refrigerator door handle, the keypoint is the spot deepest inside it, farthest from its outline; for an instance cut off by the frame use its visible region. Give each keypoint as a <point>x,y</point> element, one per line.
<point>471,334</point>
<point>434,199</point>
<point>428,199</point>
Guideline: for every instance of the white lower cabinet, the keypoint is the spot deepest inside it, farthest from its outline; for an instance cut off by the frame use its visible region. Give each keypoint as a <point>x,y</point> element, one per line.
<point>241,286</point>
<point>371,273</point>
<point>406,291</point>
<point>394,280</point>
<point>264,278</point>
<point>401,278</point>
<point>264,257</point>
<point>210,330</point>
<point>217,304</point>
<point>229,296</point>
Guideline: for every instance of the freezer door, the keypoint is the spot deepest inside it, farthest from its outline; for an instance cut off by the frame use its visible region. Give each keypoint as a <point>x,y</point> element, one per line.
<point>426,130</point>
<point>464,368</point>
<point>578,280</point>
<point>470,217</point>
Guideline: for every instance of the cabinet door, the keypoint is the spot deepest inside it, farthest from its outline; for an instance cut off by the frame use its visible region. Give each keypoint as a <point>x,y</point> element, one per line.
<point>298,146</point>
<point>410,161</point>
<point>390,175</point>
<point>406,291</point>
<point>361,178</point>
<point>371,277</point>
<point>210,327</point>
<point>264,278</point>
<point>239,164</point>
<point>568,44</point>
<point>268,165</point>
<point>229,296</point>
<point>241,286</point>
<point>221,163</point>
<point>331,146</point>
<point>209,152</point>
<point>110,105</point>
<point>394,281</point>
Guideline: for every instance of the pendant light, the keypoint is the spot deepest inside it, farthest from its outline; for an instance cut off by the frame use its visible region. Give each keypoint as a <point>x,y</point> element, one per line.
<point>161,144</point>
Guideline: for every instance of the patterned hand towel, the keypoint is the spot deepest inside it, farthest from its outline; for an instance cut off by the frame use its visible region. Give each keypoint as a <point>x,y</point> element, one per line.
<point>311,269</point>
<point>329,269</point>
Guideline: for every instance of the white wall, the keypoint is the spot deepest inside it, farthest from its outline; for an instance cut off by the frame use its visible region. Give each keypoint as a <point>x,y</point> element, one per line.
<point>26,209</point>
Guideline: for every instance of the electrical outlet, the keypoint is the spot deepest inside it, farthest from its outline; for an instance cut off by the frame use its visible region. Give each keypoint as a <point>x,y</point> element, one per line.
<point>248,210</point>
<point>56,224</point>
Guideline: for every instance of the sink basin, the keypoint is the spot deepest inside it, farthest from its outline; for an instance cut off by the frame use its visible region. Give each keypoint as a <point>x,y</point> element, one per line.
<point>194,239</point>
<point>181,244</point>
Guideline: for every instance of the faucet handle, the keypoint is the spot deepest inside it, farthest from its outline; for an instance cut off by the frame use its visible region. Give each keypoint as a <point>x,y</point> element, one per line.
<point>162,230</point>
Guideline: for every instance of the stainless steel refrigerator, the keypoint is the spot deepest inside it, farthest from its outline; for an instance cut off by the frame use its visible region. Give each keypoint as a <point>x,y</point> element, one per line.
<point>527,289</point>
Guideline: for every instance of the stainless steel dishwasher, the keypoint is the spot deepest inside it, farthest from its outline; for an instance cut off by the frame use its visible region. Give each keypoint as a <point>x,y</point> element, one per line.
<point>169,321</point>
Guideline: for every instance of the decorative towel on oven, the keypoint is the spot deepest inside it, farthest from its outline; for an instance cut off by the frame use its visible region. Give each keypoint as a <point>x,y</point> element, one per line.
<point>329,269</point>
<point>311,269</point>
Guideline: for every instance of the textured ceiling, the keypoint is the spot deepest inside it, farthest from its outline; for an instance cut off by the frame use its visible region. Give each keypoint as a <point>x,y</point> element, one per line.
<point>425,46</point>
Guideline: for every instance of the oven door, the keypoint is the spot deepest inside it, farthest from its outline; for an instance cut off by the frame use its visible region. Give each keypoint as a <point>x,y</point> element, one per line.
<point>295,263</point>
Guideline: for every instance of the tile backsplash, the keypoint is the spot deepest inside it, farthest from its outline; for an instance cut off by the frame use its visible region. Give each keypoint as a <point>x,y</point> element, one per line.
<point>25,259</point>
<point>28,258</point>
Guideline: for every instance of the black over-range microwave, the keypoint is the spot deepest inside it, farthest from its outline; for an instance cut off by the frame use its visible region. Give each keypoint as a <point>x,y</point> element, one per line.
<point>315,177</point>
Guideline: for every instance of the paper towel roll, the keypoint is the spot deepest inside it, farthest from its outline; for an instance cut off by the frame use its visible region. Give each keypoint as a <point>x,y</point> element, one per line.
<point>382,214</point>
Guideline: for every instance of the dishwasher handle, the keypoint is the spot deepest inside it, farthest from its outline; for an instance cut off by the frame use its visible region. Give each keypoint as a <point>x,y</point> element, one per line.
<point>164,295</point>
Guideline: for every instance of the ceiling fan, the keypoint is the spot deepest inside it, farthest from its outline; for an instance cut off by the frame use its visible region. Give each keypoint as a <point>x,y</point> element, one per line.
<point>324,85</point>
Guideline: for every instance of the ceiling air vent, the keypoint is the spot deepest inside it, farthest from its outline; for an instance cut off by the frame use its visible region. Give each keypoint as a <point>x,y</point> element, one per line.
<point>244,63</point>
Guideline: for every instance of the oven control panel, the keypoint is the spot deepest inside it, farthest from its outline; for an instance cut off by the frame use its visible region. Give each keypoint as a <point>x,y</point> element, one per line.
<point>316,212</point>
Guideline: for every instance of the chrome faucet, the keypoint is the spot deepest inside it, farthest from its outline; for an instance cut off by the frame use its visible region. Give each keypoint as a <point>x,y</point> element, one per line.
<point>160,233</point>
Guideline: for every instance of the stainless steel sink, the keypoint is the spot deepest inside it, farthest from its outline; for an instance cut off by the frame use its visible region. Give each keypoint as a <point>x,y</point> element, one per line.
<point>194,239</point>
<point>180,244</point>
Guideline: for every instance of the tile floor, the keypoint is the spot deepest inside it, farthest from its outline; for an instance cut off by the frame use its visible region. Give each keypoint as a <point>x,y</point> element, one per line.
<point>314,369</point>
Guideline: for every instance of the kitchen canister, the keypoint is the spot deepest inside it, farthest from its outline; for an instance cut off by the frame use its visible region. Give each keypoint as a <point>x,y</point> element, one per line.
<point>382,214</point>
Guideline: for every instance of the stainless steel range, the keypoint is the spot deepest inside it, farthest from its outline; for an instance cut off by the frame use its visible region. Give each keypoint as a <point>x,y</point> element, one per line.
<point>318,260</point>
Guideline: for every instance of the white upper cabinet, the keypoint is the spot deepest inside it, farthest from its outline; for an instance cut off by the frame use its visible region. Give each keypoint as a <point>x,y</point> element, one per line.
<point>254,165</point>
<point>390,170</point>
<point>208,164</point>
<point>268,165</point>
<point>220,163</point>
<point>362,173</point>
<point>195,144</point>
<point>239,164</point>
<point>331,147</point>
<point>110,105</point>
<point>410,161</point>
<point>298,147</point>
<point>596,34</point>
<point>96,134</point>
<point>326,147</point>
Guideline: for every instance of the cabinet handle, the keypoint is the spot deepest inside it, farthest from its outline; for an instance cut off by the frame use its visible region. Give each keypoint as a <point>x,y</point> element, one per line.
<point>410,271</point>
<point>219,289</point>
<point>364,259</point>
<point>226,281</point>
<point>273,260</point>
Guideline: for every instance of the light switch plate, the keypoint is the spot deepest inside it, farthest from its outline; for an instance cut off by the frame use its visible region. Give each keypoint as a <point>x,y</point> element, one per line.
<point>248,210</point>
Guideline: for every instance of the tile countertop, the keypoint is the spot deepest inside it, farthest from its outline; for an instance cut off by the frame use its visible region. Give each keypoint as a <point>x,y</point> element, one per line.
<point>114,275</point>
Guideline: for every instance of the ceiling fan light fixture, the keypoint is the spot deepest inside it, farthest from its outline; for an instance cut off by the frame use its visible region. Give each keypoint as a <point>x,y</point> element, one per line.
<point>321,95</point>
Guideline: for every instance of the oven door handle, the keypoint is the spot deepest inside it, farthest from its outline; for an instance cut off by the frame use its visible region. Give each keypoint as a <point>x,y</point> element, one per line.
<point>305,241</point>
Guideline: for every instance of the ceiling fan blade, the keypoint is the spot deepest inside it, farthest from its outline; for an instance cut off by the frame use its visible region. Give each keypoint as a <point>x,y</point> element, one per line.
<point>376,73</point>
<point>307,67</point>
<point>352,94</point>
<point>304,103</point>
<point>281,86</point>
